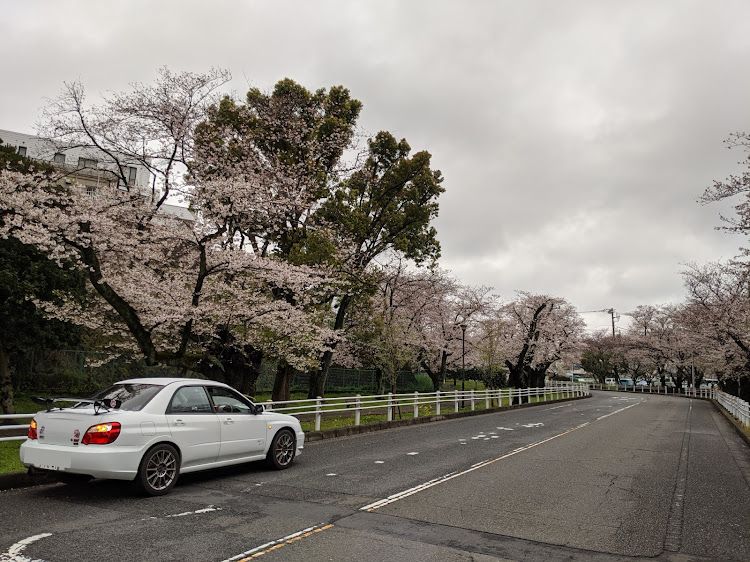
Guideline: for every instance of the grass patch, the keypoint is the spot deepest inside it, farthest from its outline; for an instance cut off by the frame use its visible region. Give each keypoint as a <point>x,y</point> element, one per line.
<point>9,459</point>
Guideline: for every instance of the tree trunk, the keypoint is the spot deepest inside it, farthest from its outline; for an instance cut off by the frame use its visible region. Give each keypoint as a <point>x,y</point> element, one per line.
<point>318,378</point>
<point>251,373</point>
<point>441,375</point>
<point>379,381</point>
<point>6,384</point>
<point>282,383</point>
<point>536,376</point>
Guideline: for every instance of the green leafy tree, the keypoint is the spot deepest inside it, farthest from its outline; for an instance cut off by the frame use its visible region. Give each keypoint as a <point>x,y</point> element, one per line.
<point>386,205</point>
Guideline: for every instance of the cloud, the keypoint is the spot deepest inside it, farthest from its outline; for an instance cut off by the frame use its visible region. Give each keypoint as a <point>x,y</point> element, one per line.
<point>574,138</point>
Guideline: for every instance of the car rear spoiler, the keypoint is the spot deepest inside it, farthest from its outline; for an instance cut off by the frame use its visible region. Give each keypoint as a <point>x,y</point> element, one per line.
<point>50,403</point>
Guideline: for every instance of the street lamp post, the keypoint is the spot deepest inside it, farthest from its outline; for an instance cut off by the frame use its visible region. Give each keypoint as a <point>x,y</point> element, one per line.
<point>463,362</point>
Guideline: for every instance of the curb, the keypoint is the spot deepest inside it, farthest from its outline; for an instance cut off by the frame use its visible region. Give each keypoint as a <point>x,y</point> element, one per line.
<point>12,480</point>
<point>738,427</point>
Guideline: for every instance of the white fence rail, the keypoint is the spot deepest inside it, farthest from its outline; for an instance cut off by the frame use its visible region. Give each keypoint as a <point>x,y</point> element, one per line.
<point>435,402</point>
<point>687,392</point>
<point>431,403</point>
<point>732,404</point>
<point>14,426</point>
<point>738,408</point>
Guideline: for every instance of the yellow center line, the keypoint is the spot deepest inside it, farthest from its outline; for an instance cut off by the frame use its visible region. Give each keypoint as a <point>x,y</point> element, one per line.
<point>275,545</point>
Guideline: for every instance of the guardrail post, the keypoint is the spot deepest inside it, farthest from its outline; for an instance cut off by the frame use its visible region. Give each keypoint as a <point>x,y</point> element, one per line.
<point>471,397</point>
<point>437,403</point>
<point>487,399</point>
<point>455,400</point>
<point>318,410</point>
<point>390,406</point>
<point>416,404</point>
<point>357,409</point>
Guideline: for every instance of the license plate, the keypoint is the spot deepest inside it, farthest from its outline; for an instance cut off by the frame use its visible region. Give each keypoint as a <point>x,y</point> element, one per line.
<point>44,466</point>
<point>48,461</point>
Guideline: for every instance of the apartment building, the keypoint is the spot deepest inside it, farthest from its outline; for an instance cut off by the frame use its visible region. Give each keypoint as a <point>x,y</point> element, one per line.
<point>91,168</point>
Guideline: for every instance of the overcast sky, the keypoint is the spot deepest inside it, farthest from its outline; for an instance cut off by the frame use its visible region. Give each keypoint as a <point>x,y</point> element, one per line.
<point>574,137</point>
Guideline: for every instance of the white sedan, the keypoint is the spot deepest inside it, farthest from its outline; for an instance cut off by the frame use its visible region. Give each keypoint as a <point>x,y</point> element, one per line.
<point>152,430</point>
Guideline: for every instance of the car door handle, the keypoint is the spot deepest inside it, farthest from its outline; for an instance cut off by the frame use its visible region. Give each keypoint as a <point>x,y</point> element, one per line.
<point>228,421</point>
<point>179,422</point>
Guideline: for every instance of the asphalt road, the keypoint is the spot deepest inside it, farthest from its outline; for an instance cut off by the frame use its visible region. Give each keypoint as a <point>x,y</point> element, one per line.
<point>607,478</point>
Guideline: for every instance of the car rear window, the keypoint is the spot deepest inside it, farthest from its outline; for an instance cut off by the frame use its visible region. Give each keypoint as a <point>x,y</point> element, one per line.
<point>133,396</point>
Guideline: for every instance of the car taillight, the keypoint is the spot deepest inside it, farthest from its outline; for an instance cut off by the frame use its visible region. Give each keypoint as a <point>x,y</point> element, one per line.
<point>101,433</point>
<point>32,429</point>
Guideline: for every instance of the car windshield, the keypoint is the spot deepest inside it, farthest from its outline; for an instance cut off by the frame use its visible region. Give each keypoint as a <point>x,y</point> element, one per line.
<point>133,396</point>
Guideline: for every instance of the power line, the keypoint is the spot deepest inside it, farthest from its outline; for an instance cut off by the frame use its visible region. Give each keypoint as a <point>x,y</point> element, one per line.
<point>611,312</point>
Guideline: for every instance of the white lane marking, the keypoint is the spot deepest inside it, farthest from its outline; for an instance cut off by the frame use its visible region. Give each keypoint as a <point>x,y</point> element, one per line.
<point>248,553</point>
<point>506,428</point>
<point>533,425</point>
<point>556,407</point>
<point>379,462</point>
<point>208,509</point>
<point>412,454</point>
<point>331,474</point>
<point>617,411</point>
<point>434,482</point>
<point>13,554</point>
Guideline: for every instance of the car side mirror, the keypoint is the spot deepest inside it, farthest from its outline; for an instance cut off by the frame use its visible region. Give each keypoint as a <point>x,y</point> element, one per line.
<point>259,409</point>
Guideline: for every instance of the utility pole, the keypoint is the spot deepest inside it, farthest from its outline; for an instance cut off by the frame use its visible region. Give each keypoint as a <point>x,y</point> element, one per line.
<point>611,312</point>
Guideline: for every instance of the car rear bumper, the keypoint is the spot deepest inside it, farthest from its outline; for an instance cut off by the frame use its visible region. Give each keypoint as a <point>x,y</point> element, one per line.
<point>99,461</point>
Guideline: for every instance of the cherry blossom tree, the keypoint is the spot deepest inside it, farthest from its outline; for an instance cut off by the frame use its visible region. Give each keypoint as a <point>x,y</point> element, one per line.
<point>541,329</point>
<point>734,186</point>
<point>720,311</point>
<point>176,291</point>
<point>283,151</point>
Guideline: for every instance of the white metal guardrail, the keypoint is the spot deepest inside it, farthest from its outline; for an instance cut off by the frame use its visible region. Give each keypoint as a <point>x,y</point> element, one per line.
<point>732,404</point>
<point>14,426</point>
<point>431,403</point>
<point>646,389</point>
<point>434,401</point>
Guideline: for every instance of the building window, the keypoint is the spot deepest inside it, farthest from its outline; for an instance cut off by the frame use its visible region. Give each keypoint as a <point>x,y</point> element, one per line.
<point>131,174</point>
<point>22,151</point>
<point>59,158</point>
<point>87,163</point>
<point>90,190</point>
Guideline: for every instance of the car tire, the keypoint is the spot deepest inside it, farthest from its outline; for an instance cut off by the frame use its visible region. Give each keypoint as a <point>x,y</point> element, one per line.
<point>158,470</point>
<point>282,451</point>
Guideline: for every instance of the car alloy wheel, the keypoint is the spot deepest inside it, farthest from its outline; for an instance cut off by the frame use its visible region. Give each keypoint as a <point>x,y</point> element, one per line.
<point>159,470</point>
<point>282,449</point>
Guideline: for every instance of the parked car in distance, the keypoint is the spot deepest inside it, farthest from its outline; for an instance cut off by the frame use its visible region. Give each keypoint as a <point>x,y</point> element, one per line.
<point>151,430</point>
<point>641,383</point>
